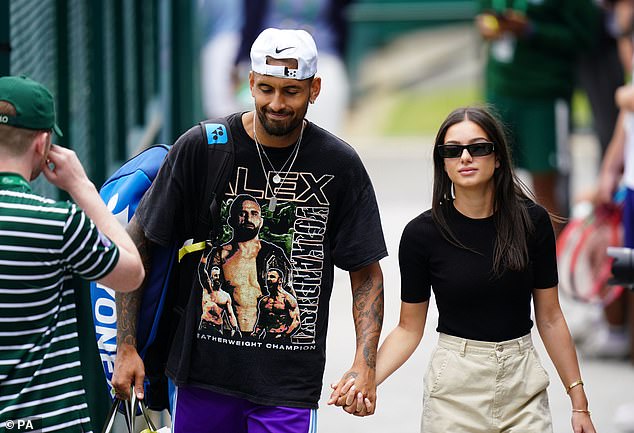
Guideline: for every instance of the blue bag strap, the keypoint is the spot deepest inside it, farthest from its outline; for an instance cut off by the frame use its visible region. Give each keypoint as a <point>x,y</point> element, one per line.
<point>220,161</point>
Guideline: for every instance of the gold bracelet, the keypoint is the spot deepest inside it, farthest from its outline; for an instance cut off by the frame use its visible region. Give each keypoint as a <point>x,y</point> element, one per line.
<point>573,384</point>
<point>582,411</point>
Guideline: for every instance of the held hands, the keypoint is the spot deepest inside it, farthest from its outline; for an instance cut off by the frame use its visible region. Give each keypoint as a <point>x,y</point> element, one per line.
<point>128,370</point>
<point>355,393</point>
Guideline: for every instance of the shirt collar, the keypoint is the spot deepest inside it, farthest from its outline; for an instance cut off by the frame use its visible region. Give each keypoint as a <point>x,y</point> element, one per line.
<point>14,181</point>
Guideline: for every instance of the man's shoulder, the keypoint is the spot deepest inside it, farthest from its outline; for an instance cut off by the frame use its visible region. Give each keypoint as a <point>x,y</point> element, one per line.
<point>328,138</point>
<point>336,151</point>
<point>212,131</point>
<point>36,203</point>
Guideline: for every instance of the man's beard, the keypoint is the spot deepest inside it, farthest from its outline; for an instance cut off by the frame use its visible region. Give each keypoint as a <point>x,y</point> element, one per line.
<point>280,129</point>
<point>242,233</point>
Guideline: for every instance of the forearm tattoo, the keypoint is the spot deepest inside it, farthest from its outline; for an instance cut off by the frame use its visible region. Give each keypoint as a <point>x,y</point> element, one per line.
<point>128,304</point>
<point>367,310</point>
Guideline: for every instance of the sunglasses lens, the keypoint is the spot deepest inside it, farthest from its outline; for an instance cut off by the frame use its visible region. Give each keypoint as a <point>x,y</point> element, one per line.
<point>455,150</point>
<point>480,149</point>
<point>450,150</point>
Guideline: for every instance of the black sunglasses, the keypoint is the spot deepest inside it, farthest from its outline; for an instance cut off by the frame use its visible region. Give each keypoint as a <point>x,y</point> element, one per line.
<point>482,148</point>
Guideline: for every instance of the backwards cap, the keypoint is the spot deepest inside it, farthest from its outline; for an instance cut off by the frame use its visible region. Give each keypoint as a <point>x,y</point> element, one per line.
<point>285,44</point>
<point>34,105</point>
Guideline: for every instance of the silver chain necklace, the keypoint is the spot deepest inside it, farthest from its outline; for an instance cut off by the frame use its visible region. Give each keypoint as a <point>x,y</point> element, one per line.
<point>276,178</point>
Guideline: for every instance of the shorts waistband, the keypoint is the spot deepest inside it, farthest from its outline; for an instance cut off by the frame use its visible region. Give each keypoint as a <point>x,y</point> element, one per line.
<point>464,345</point>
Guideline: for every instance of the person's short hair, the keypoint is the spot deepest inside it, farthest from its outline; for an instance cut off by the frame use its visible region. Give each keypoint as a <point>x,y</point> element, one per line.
<point>279,273</point>
<point>14,141</point>
<point>236,207</point>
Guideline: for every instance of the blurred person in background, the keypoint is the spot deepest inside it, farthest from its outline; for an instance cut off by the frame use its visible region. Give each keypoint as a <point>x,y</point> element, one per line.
<point>618,168</point>
<point>325,20</point>
<point>609,338</point>
<point>532,54</point>
<point>600,72</point>
<point>221,24</point>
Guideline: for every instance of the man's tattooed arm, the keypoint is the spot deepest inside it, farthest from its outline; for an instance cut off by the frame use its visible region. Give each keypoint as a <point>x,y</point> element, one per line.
<point>128,367</point>
<point>367,311</point>
<point>128,304</point>
<point>356,391</point>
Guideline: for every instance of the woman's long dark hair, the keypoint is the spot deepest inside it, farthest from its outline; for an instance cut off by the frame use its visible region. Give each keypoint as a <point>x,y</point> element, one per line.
<point>510,197</point>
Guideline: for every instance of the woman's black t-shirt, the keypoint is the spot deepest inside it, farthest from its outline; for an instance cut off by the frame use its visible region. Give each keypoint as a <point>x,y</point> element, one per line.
<point>471,302</point>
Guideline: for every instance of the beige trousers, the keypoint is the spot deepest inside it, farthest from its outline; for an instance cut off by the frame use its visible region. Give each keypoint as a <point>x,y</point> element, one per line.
<point>485,387</point>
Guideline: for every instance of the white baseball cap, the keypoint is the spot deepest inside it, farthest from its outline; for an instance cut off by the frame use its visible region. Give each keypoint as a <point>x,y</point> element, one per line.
<point>284,44</point>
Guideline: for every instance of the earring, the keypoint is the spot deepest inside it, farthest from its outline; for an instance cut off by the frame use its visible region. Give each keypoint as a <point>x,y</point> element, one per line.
<point>452,190</point>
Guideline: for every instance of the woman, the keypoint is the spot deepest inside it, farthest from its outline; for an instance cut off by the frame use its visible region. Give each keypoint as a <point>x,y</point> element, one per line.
<point>485,248</point>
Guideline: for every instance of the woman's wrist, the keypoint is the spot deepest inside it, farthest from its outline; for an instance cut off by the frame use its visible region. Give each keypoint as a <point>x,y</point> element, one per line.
<point>585,411</point>
<point>574,384</point>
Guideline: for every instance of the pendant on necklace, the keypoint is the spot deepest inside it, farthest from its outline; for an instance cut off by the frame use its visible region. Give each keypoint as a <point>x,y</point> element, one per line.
<point>272,204</point>
<point>277,178</point>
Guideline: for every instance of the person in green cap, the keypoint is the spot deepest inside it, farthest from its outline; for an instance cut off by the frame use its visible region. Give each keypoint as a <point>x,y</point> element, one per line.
<point>43,243</point>
<point>532,51</point>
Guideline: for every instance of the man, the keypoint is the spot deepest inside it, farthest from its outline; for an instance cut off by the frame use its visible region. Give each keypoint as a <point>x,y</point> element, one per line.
<point>43,243</point>
<point>217,306</point>
<point>278,312</point>
<point>281,161</point>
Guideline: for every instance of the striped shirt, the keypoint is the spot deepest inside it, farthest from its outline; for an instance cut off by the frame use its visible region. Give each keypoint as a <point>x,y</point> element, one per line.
<point>43,243</point>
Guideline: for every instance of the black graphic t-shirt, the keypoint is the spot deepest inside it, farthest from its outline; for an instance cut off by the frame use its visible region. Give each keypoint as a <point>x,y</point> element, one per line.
<point>255,325</point>
<point>471,302</point>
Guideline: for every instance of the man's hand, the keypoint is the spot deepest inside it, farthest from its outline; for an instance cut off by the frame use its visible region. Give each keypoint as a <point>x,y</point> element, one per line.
<point>493,26</point>
<point>489,26</point>
<point>356,396</point>
<point>66,172</point>
<point>128,370</point>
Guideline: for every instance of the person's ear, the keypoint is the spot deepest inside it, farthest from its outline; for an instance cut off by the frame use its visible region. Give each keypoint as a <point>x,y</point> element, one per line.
<point>315,88</point>
<point>251,82</point>
<point>497,163</point>
<point>40,144</point>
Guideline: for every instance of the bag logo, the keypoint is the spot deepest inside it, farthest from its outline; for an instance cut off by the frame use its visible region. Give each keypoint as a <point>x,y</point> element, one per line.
<point>216,133</point>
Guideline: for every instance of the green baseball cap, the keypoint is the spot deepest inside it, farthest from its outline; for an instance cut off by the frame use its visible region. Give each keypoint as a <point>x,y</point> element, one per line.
<point>33,104</point>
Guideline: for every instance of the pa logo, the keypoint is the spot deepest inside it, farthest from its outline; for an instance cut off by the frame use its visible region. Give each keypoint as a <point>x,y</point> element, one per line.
<point>216,133</point>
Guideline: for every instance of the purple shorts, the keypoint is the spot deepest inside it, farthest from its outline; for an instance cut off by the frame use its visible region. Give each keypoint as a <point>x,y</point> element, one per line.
<point>203,411</point>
